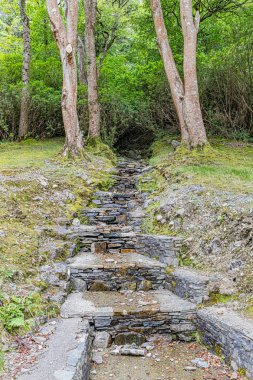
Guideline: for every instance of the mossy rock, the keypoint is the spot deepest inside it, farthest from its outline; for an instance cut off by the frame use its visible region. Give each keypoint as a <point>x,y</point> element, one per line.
<point>129,338</point>
<point>99,286</point>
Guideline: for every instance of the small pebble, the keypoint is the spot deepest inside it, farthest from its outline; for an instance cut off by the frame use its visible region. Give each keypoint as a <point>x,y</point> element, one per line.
<point>200,363</point>
<point>188,368</point>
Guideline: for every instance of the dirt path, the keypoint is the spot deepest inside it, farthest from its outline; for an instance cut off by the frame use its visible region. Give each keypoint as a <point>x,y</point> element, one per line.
<point>167,361</point>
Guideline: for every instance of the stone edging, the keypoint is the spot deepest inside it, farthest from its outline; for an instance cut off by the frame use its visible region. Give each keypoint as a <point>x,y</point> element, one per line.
<point>229,335</point>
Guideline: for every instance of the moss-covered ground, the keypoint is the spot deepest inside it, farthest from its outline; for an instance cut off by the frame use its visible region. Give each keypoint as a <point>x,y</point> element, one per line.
<point>37,189</point>
<point>225,165</point>
<point>205,196</point>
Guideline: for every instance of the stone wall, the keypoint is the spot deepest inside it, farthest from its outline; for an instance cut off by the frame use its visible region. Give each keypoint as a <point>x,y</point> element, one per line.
<point>77,366</point>
<point>129,279</point>
<point>190,285</point>
<point>179,324</point>
<point>116,240</point>
<point>230,335</point>
<point>165,248</point>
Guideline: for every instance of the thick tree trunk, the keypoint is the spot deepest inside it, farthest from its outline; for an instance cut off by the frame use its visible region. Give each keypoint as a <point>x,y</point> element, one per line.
<point>82,76</point>
<point>185,95</point>
<point>24,107</point>
<point>66,38</point>
<point>92,74</point>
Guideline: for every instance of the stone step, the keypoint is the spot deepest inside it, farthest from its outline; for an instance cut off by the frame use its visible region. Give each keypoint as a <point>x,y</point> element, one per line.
<point>164,248</point>
<point>190,285</point>
<point>111,215</point>
<point>88,236</point>
<point>106,215</point>
<point>124,271</point>
<point>116,195</point>
<point>145,313</point>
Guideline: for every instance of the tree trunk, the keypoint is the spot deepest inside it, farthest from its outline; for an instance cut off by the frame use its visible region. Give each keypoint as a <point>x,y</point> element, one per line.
<point>66,37</point>
<point>191,105</point>
<point>24,107</point>
<point>92,74</point>
<point>82,77</point>
<point>184,94</point>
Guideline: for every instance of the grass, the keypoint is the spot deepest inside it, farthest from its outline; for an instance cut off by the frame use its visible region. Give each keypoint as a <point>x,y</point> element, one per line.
<point>225,165</point>
<point>217,298</point>
<point>29,153</point>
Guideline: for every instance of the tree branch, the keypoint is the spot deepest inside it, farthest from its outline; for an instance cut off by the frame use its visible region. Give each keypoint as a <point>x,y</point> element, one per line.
<point>57,25</point>
<point>107,47</point>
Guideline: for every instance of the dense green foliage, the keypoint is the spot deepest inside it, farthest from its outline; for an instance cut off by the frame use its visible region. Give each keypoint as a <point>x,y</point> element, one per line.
<point>134,94</point>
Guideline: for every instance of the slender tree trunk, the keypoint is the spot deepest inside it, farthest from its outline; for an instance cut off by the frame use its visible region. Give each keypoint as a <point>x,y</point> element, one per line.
<point>66,39</point>
<point>185,94</point>
<point>82,77</point>
<point>191,105</point>
<point>24,107</point>
<point>92,74</point>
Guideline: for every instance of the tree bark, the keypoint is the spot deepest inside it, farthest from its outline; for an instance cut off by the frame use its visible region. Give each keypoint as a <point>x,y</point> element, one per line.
<point>191,105</point>
<point>82,77</point>
<point>24,107</point>
<point>184,94</point>
<point>90,7</point>
<point>66,40</point>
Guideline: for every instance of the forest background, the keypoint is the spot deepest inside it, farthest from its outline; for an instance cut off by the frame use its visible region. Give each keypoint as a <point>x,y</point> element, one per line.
<point>134,94</point>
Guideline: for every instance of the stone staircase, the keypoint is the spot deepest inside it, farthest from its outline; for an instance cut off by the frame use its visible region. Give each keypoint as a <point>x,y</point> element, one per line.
<point>118,286</point>
<point>129,285</point>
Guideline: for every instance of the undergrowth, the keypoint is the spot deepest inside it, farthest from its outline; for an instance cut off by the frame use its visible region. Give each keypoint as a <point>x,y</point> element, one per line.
<point>17,313</point>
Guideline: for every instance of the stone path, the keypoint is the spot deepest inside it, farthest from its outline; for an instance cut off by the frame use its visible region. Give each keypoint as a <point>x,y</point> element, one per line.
<point>120,289</point>
<point>112,264</point>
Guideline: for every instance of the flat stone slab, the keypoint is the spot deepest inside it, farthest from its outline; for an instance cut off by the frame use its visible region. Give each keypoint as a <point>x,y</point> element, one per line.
<point>94,304</point>
<point>122,260</point>
<point>231,334</point>
<point>67,354</point>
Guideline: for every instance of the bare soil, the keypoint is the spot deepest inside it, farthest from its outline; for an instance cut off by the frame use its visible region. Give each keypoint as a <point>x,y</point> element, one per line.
<point>168,361</point>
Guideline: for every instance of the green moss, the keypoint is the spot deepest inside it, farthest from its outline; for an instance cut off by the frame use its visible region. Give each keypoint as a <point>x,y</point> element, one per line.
<point>170,270</point>
<point>199,337</point>
<point>222,164</point>
<point>242,372</point>
<point>218,350</point>
<point>151,183</point>
<point>98,148</point>
<point>1,359</point>
<point>184,258</point>
<point>29,152</point>
<point>215,298</point>
<point>41,285</point>
<point>160,150</point>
